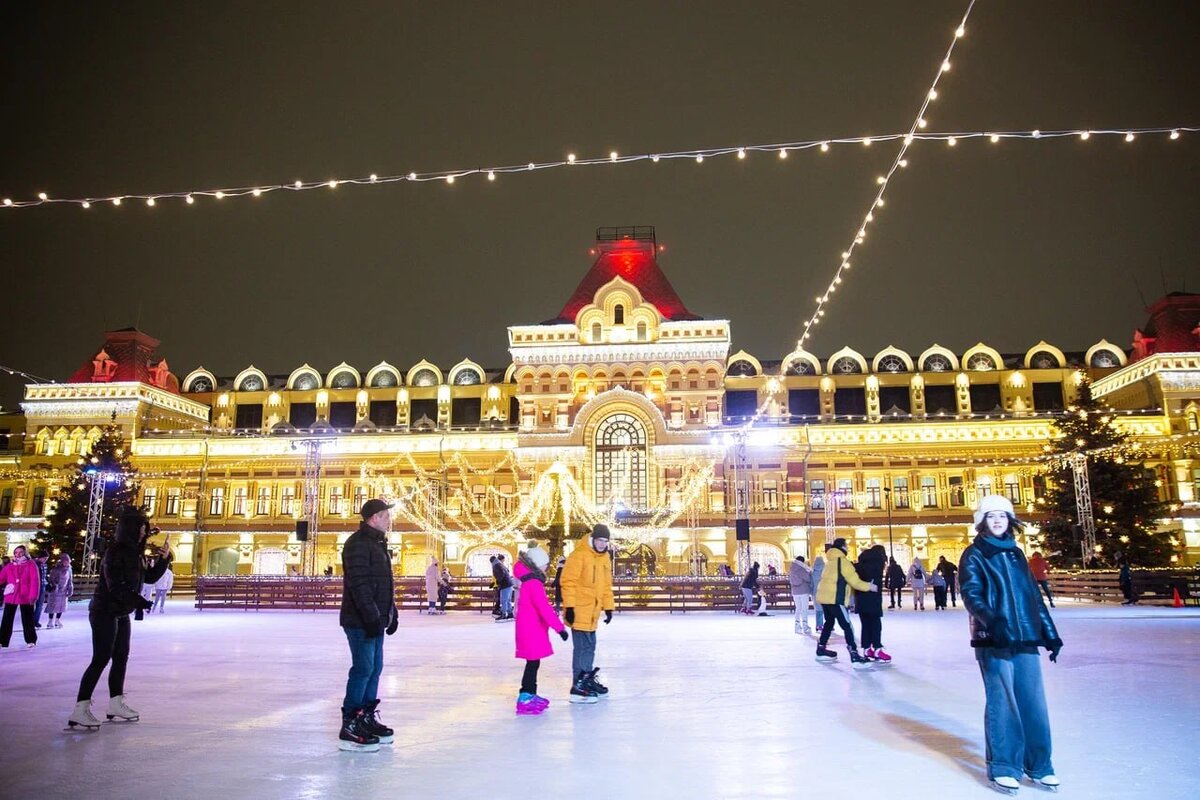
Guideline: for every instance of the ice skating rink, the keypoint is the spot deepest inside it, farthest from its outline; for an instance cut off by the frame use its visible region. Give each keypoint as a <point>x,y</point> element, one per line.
<point>703,705</point>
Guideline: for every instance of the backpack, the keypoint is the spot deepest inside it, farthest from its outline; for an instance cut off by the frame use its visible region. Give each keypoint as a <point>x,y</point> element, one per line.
<point>919,574</point>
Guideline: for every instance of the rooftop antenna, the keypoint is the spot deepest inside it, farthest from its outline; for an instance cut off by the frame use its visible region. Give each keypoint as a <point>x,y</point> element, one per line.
<point>1162,276</point>
<point>1142,297</point>
<point>138,320</point>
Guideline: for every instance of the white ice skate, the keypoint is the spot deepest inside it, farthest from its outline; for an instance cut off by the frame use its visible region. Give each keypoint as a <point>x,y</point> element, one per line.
<point>117,710</point>
<point>82,717</point>
<point>1006,785</point>
<point>1049,782</point>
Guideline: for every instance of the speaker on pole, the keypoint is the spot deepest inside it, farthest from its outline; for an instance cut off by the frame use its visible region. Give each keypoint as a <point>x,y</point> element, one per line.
<point>301,530</point>
<point>742,526</point>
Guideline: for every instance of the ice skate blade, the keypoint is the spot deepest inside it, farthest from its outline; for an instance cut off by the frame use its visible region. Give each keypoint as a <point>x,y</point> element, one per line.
<point>584,700</point>
<point>355,747</point>
<point>79,727</point>
<point>1049,787</point>
<point>114,718</point>
<point>1011,791</point>
<point>826,659</point>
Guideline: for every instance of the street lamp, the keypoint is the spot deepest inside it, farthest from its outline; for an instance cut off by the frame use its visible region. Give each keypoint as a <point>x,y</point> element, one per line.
<point>887,498</point>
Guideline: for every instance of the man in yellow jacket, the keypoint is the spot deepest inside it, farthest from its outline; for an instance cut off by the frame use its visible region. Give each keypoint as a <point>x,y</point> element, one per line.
<point>587,592</point>
<point>837,580</point>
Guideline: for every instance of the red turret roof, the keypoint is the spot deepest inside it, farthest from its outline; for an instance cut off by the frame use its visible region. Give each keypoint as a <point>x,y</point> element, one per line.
<point>127,355</point>
<point>632,260</point>
<point>1173,327</point>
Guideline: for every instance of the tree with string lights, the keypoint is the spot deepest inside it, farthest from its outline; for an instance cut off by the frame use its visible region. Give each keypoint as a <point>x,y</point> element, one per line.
<point>66,526</point>
<point>1125,502</point>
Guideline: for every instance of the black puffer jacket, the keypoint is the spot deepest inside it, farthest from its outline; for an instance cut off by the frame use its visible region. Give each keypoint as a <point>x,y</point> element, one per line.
<point>124,570</point>
<point>999,592</point>
<point>368,590</point>
<point>501,575</point>
<point>751,579</point>
<point>870,568</point>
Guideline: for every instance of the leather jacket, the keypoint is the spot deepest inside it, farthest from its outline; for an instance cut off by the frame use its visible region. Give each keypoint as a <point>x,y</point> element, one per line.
<point>1005,606</point>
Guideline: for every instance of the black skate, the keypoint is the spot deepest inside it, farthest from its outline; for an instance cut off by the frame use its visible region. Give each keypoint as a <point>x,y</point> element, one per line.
<point>825,655</point>
<point>376,728</point>
<point>858,661</point>
<point>581,692</point>
<point>594,686</point>
<point>354,737</point>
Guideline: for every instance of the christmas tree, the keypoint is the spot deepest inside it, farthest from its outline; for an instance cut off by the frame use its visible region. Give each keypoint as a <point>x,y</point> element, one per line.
<point>66,526</point>
<point>1125,502</point>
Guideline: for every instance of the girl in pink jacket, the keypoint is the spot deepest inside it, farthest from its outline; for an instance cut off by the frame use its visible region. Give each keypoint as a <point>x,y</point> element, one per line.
<point>22,583</point>
<point>535,618</point>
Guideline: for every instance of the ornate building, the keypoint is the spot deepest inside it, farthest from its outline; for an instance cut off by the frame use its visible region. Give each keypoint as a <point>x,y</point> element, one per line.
<point>624,407</point>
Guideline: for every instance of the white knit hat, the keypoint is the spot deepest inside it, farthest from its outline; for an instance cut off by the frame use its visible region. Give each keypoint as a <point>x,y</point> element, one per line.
<point>994,502</point>
<point>539,557</point>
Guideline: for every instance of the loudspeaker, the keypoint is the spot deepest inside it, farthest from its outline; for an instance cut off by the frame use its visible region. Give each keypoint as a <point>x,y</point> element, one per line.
<point>301,530</point>
<point>742,526</point>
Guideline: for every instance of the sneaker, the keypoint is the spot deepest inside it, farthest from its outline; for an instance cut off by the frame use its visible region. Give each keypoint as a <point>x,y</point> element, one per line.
<point>594,685</point>
<point>826,655</point>
<point>373,726</point>
<point>580,692</point>
<point>354,738</point>
<point>527,705</point>
<point>881,656</point>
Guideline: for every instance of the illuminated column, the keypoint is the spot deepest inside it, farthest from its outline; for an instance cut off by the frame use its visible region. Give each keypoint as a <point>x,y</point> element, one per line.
<point>1183,481</point>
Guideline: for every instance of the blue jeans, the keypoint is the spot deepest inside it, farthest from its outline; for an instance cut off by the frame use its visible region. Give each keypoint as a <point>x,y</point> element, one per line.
<point>366,663</point>
<point>506,601</point>
<point>1016,725</point>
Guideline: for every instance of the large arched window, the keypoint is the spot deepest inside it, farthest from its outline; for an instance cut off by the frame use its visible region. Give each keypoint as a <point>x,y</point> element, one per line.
<point>621,463</point>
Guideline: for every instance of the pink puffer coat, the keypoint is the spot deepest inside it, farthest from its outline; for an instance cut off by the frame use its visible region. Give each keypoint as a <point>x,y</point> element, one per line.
<point>26,580</point>
<point>535,617</point>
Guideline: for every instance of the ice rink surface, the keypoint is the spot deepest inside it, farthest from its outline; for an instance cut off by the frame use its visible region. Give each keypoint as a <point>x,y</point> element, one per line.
<point>703,705</point>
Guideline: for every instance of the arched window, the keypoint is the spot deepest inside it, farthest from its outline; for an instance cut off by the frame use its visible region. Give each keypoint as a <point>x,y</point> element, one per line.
<point>251,383</point>
<point>641,332</point>
<point>618,314</point>
<point>384,379</point>
<point>467,377</point>
<point>846,366</point>
<point>892,363</point>
<point>425,377</point>
<point>799,367</point>
<point>597,333</point>
<point>1043,359</point>
<point>981,362</point>
<point>344,380</point>
<point>937,363</point>
<point>742,369</point>
<point>767,555</point>
<point>1105,359</point>
<point>621,474</point>
<point>306,382</point>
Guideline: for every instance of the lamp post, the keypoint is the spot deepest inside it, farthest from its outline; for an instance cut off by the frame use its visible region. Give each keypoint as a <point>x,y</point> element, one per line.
<point>887,498</point>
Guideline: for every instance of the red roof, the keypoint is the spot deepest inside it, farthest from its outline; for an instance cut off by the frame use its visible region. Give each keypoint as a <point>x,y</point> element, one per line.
<point>127,355</point>
<point>1173,327</point>
<point>634,262</point>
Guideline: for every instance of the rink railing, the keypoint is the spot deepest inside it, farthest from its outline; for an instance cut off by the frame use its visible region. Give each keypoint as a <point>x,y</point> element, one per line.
<point>258,592</point>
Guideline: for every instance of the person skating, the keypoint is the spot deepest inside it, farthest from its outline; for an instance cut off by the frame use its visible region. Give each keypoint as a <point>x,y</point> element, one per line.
<point>368,612</point>
<point>916,578</point>
<point>950,573</point>
<point>535,619</point>
<point>44,571</point>
<point>504,584</point>
<point>558,568</point>
<point>895,584</point>
<point>818,569</point>
<point>1041,574</point>
<point>22,583</point>
<point>870,603</point>
<point>1008,623</point>
<point>444,588</point>
<point>162,588</point>
<point>837,580</point>
<point>1125,581</point>
<point>118,593</point>
<point>800,578</point>
<point>749,587</point>
<point>432,579</point>
<point>587,593</point>
<point>60,586</point>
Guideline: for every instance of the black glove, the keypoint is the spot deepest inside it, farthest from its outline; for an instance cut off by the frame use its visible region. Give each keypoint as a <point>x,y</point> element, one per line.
<point>563,634</point>
<point>393,625</point>
<point>607,617</point>
<point>1054,651</point>
<point>372,630</point>
<point>569,616</point>
<point>144,604</point>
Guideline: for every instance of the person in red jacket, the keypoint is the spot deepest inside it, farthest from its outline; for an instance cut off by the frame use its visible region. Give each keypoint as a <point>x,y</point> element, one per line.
<point>22,582</point>
<point>1041,573</point>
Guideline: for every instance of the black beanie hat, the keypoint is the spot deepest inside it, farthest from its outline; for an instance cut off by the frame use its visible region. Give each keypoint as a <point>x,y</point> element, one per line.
<point>840,544</point>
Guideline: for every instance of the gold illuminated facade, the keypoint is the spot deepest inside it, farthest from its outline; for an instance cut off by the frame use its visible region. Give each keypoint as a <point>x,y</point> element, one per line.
<point>625,407</point>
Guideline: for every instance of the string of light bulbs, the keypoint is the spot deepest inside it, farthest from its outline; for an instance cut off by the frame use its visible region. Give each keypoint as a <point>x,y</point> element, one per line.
<point>779,149</point>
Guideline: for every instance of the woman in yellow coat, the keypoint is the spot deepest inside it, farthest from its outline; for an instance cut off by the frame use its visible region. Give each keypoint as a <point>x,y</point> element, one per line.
<point>587,592</point>
<point>837,580</point>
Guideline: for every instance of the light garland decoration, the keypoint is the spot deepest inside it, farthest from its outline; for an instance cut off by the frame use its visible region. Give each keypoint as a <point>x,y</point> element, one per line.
<point>698,155</point>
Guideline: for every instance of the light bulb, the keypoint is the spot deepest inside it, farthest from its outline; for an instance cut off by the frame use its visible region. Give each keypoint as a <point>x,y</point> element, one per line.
<point>86,204</point>
<point>449,179</point>
<point>654,159</point>
<point>741,152</point>
<point>866,141</point>
<point>824,147</point>
<point>903,162</point>
<point>699,159</point>
<point>298,184</point>
<point>881,180</point>
<point>412,176</point>
<point>1174,134</point>
<point>257,192</point>
<point>1085,135</point>
<point>1129,137</point>
<point>530,165</point>
<point>845,254</point>
<point>994,138</point>
<point>922,123</point>
<point>946,65</point>
<point>8,201</point>
<point>952,141</point>
<point>908,139</point>
<point>41,196</point>
<point>116,201</point>
<point>933,94</point>
<point>613,155</point>
<point>150,201</point>
<point>870,217</point>
<point>374,177</point>
<point>1037,134</point>
<point>220,195</point>
<point>189,200</point>
<point>332,184</point>
<point>879,203</point>
<point>491,175</point>
<point>959,32</point>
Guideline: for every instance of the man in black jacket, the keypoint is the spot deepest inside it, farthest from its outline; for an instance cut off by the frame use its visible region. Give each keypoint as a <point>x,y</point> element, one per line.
<point>368,611</point>
<point>1009,622</point>
<point>950,573</point>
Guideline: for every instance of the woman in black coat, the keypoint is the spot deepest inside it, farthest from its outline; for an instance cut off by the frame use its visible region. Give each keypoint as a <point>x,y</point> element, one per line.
<point>870,604</point>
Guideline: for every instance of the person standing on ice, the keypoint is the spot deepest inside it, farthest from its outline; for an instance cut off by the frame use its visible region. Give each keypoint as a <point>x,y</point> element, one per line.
<point>118,593</point>
<point>60,585</point>
<point>1009,622</point>
<point>162,588</point>
<point>504,584</point>
<point>1041,573</point>
<point>368,611</point>
<point>917,578</point>
<point>950,573</point>
<point>587,593</point>
<point>895,584</point>
<point>800,577</point>
<point>21,581</point>
<point>870,603</point>
<point>535,619</point>
<point>837,580</point>
<point>749,587</point>
<point>432,579</point>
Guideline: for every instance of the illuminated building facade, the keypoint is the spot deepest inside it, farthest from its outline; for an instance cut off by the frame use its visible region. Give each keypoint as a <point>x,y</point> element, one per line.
<point>624,407</point>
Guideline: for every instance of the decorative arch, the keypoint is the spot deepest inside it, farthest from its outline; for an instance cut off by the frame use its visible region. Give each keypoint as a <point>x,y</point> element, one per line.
<point>892,360</point>
<point>383,376</point>
<point>938,359</point>
<point>1105,355</point>
<point>466,373</point>
<point>510,374</point>
<point>343,376</point>
<point>793,361</point>
<point>199,380</point>
<point>742,357</point>
<point>419,374</point>
<point>1045,356</point>
<point>304,378</point>
<point>251,379</point>
<point>839,363</point>
<point>982,358</point>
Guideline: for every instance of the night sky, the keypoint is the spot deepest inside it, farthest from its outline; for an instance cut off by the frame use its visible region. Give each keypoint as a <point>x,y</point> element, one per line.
<point>1006,243</point>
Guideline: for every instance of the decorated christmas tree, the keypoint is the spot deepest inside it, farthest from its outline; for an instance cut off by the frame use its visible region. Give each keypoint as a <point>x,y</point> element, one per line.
<point>1125,502</point>
<point>66,525</point>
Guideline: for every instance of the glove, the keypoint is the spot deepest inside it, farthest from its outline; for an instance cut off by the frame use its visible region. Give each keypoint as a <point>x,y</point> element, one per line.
<point>144,604</point>
<point>563,634</point>
<point>569,616</point>
<point>1054,651</point>
<point>607,617</point>
<point>393,625</point>
<point>372,630</point>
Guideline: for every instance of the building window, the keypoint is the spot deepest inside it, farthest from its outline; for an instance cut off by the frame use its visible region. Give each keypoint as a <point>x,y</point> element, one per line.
<point>172,508</point>
<point>958,497</point>
<point>216,502</point>
<point>929,491</point>
<point>900,492</point>
<point>621,470</point>
<point>360,497</point>
<point>239,501</point>
<point>1105,359</point>
<point>874,493</point>
<point>39,502</point>
<point>150,500</point>
<point>981,362</point>
<point>642,333</point>
<point>597,333</point>
<point>1193,422</point>
<point>287,500</point>
<point>845,494</point>
<point>817,494</point>
<point>983,487</point>
<point>1012,488</point>
<point>6,501</point>
<point>770,495</point>
<point>262,506</point>
<point>846,366</point>
<point>336,500</point>
<point>937,363</point>
<point>619,315</point>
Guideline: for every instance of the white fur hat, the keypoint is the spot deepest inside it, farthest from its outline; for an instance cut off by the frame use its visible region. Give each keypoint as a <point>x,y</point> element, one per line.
<point>994,502</point>
<point>538,556</point>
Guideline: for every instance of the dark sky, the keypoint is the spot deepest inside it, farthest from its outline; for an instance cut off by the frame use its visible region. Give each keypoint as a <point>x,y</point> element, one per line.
<point>1008,244</point>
